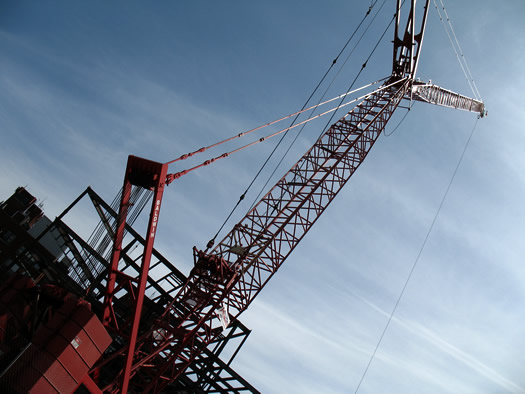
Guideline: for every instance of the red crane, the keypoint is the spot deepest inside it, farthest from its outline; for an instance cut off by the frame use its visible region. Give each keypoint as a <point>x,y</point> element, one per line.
<point>227,277</point>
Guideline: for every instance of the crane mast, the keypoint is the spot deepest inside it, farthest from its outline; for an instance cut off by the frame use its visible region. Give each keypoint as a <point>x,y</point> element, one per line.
<point>264,238</point>
<point>408,47</point>
<point>226,279</point>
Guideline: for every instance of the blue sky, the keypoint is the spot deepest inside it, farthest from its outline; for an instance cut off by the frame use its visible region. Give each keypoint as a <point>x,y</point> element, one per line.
<point>84,84</point>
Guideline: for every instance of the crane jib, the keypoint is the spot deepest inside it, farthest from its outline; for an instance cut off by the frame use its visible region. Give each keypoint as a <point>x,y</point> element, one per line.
<point>259,244</point>
<point>225,280</point>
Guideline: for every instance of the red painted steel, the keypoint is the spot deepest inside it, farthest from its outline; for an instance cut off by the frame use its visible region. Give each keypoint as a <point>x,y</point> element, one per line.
<point>235,271</point>
<point>109,318</point>
<point>61,353</point>
<point>91,385</point>
<point>15,311</point>
<point>149,175</point>
<point>225,280</point>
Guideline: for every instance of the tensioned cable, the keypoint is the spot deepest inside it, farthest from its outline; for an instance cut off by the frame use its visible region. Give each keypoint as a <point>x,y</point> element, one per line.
<point>241,198</point>
<point>323,130</point>
<point>417,257</point>
<point>201,150</point>
<point>303,109</point>
<point>460,50</point>
<point>361,70</point>
<point>296,114</point>
<point>263,188</point>
<point>455,50</point>
<point>461,60</point>
<point>401,121</point>
<point>171,177</point>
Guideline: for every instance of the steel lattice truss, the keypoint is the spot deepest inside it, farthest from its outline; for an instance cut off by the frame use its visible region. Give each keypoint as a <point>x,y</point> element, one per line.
<point>168,331</point>
<point>87,263</point>
<point>232,274</point>
<point>433,94</point>
<point>259,244</point>
<point>226,279</point>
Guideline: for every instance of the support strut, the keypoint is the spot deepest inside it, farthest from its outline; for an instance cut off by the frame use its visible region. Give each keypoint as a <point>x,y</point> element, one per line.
<point>152,176</point>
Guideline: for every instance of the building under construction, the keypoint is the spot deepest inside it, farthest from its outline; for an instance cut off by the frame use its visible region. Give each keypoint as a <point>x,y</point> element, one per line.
<point>51,297</point>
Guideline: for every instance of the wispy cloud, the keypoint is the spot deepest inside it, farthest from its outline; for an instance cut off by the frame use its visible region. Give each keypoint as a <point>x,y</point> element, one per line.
<point>455,352</point>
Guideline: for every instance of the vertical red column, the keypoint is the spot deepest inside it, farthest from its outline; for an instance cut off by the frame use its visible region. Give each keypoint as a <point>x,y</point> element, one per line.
<point>149,175</point>
<point>109,319</point>
<point>160,182</point>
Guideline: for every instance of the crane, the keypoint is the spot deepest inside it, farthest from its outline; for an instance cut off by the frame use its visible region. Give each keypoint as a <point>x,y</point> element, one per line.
<point>226,277</point>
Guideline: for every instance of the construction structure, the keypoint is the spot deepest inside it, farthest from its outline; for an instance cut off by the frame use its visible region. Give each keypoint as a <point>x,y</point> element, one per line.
<point>160,331</point>
<point>48,269</point>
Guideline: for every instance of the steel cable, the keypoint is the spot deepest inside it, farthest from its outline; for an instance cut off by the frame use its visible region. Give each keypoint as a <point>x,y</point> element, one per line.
<point>241,198</point>
<point>461,60</point>
<point>263,188</point>
<point>417,258</point>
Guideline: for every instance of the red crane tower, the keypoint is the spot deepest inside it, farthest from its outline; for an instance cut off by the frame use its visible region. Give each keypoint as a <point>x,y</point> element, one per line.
<point>228,276</point>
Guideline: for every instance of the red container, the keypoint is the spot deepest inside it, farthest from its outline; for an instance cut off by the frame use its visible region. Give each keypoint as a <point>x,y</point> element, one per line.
<point>61,353</point>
